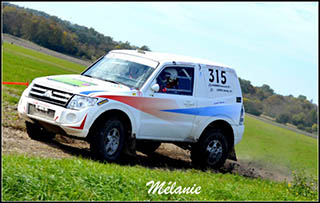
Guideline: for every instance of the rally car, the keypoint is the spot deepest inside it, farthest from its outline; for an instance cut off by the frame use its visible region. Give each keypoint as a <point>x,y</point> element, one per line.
<point>132,100</point>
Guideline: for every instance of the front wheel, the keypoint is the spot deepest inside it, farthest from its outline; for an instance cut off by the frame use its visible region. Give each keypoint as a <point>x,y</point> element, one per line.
<point>211,150</point>
<point>108,140</point>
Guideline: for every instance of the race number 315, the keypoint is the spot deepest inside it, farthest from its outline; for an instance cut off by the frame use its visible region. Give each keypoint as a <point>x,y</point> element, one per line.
<point>215,76</point>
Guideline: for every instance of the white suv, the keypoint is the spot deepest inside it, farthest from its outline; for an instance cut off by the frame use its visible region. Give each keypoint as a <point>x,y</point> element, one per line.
<point>130,100</point>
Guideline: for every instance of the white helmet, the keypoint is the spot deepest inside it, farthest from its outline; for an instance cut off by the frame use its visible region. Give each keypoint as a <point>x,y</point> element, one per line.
<point>172,73</point>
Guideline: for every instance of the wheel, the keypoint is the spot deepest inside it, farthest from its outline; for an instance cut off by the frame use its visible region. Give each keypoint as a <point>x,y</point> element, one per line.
<point>211,150</point>
<point>37,132</point>
<point>108,140</point>
<point>147,147</point>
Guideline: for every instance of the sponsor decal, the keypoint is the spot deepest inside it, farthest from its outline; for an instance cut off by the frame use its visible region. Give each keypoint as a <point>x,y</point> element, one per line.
<point>72,81</point>
<point>102,102</point>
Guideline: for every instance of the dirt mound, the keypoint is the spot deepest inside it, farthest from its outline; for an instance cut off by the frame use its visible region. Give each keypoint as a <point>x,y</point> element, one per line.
<point>167,156</point>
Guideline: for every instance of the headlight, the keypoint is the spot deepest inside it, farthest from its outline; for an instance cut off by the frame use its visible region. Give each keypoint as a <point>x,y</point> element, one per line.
<point>79,102</point>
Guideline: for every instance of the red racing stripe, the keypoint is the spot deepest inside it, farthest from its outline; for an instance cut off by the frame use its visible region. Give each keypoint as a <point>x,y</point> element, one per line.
<point>82,124</point>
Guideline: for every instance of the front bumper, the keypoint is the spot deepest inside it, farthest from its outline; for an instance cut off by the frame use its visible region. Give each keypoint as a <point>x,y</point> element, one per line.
<point>72,122</point>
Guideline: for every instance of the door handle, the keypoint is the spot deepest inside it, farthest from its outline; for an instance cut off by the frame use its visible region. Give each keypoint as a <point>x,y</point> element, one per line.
<point>188,103</point>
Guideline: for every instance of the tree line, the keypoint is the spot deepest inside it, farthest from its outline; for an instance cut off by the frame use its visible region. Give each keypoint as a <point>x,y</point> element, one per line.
<point>59,35</point>
<point>86,43</point>
<point>297,111</point>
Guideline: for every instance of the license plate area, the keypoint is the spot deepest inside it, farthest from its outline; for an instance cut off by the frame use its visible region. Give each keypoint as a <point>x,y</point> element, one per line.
<point>41,111</point>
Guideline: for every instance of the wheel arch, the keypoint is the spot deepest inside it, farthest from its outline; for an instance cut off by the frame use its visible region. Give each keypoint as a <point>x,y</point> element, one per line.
<point>224,127</point>
<point>123,116</point>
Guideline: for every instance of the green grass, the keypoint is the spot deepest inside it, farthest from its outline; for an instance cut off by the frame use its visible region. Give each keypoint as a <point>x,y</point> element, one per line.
<point>283,150</point>
<point>23,65</point>
<point>34,178</point>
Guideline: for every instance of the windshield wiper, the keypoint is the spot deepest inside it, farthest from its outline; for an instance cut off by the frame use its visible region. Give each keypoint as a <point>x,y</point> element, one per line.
<point>109,81</point>
<point>118,83</point>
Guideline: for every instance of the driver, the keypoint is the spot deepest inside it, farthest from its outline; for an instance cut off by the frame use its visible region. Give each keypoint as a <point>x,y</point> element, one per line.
<point>132,74</point>
<point>168,79</point>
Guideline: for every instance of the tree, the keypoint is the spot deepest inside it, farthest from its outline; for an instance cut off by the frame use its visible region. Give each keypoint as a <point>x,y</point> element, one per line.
<point>298,119</point>
<point>283,118</point>
<point>145,48</point>
<point>246,86</point>
<point>302,97</point>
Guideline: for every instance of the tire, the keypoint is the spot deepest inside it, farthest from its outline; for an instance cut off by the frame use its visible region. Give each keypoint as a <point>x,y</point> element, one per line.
<point>147,147</point>
<point>108,140</point>
<point>37,132</point>
<point>211,150</point>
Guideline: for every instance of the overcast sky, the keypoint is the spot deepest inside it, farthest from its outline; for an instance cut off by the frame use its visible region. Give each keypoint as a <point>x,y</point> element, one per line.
<point>272,43</point>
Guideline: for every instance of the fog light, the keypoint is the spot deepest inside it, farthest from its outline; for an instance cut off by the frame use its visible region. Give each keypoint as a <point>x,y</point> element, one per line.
<point>71,117</point>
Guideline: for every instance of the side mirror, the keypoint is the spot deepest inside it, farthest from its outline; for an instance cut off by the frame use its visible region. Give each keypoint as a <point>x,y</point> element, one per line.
<point>155,88</point>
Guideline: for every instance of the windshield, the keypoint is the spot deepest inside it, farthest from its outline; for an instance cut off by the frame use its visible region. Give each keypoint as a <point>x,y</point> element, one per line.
<point>120,71</point>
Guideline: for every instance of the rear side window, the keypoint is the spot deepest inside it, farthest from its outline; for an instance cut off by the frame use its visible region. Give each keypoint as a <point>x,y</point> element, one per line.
<point>176,80</point>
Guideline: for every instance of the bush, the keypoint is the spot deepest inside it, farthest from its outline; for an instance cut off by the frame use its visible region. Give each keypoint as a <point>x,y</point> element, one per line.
<point>314,127</point>
<point>308,129</point>
<point>301,127</point>
<point>283,118</point>
<point>252,106</point>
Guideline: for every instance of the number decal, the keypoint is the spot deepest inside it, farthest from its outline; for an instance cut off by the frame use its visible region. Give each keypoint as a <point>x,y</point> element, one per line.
<point>211,74</point>
<point>217,75</point>
<point>223,76</point>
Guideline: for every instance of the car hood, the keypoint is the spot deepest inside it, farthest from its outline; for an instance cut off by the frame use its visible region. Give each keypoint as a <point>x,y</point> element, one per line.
<point>79,84</point>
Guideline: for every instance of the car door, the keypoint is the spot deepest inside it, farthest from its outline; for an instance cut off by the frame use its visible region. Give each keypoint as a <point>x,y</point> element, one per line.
<point>170,112</point>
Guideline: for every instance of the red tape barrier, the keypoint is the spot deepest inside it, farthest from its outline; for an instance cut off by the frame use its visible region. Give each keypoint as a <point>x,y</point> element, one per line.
<point>16,83</point>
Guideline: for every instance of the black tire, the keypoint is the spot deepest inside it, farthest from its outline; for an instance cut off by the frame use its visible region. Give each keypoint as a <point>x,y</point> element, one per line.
<point>37,132</point>
<point>147,147</point>
<point>108,140</point>
<point>215,142</point>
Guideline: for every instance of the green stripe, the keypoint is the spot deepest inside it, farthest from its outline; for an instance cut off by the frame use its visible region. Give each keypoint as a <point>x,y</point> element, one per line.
<point>73,82</point>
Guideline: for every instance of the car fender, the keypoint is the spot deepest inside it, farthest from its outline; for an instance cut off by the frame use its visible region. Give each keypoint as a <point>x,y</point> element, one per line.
<point>114,105</point>
<point>206,122</point>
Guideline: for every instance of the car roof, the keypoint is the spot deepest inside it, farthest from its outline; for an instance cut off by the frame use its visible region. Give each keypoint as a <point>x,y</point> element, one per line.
<point>166,57</point>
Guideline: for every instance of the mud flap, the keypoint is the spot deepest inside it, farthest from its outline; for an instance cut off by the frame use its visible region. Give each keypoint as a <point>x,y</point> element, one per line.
<point>232,155</point>
<point>130,146</point>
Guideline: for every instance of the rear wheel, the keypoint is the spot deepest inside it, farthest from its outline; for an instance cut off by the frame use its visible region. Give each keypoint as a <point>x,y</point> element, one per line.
<point>147,147</point>
<point>37,132</point>
<point>211,150</point>
<point>107,141</point>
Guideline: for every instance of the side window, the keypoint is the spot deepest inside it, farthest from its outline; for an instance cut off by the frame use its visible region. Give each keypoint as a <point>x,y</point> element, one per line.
<point>176,80</point>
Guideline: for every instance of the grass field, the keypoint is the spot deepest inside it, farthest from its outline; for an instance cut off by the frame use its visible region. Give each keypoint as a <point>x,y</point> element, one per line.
<point>23,65</point>
<point>282,149</point>
<point>26,178</point>
<point>31,178</point>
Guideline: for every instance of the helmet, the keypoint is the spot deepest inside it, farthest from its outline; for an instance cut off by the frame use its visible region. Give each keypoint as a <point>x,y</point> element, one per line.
<point>171,74</point>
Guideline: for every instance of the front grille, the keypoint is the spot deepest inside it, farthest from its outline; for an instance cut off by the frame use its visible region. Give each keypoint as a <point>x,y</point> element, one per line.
<point>50,95</point>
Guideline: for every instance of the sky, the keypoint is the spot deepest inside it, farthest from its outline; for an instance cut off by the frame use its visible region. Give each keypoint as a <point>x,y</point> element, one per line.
<point>273,43</point>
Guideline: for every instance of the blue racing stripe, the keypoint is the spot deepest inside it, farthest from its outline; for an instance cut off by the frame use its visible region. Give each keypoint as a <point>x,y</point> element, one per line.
<point>231,110</point>
<point>89,92</point>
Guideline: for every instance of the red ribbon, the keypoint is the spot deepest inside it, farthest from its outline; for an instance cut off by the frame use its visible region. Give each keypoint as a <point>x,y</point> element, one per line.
<point>15,83</point>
